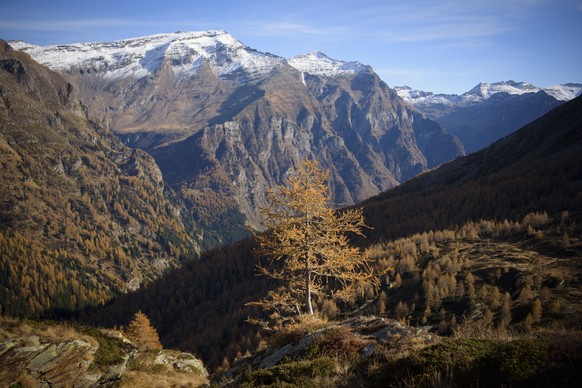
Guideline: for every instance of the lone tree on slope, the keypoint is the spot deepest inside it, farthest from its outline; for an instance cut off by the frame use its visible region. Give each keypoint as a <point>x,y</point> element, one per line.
<point>307,246</point>
<point>142,334</point>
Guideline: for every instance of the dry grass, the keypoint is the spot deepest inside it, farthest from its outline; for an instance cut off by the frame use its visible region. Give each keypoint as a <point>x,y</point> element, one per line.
<point>30,333</point>
<point>8,327</point>
<point>63,332</point>
<point>154,380</point>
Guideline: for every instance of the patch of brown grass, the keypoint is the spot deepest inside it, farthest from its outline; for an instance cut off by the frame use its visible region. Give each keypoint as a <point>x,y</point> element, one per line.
<point>340,343</point>
<point>44,331</point>
<point>62,333</point>
<point>155,380</point>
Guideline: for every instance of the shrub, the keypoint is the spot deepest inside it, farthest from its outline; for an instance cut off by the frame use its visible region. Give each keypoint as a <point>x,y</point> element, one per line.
<point>337,343</point>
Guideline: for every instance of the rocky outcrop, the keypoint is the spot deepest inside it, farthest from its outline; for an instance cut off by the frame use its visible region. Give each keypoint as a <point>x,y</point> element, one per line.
<point>372,332</point>
<point>61,364</point>
<point>181,361</point>
<point>41,354</point>
<point>356,338</point>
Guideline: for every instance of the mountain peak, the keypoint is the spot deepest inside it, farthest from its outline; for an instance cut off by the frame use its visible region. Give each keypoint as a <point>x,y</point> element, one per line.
<point>318,54</point>
<point>484,90</point>
<point>481,89</point>
<point>408,94</point>
<point>137,57</point>
<point>318,63</point>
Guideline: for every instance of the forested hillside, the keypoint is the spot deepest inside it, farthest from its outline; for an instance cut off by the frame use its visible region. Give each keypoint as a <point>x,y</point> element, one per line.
<point>488,243</point>
<point>82,217</point>
<point>538,168</point>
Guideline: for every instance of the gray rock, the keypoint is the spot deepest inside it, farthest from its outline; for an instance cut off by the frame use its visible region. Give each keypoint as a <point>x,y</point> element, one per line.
<point>274,357</point>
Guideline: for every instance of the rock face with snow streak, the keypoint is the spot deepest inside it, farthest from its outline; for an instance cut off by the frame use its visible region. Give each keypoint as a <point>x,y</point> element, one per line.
<point>226,122</point>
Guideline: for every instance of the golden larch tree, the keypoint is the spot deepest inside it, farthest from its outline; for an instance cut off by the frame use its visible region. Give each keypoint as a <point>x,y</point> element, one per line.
<point>141,333</point>
<point>307,243</point>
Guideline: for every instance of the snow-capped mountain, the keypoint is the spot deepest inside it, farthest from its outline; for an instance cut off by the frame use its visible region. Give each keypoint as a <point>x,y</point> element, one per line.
<point>485,90</point>
<point>425,101</point>
<point>139,57</point>
<point>226,122</point>
<point>489,111</point>
<point>564,92</point>
<point>317,63</point>
<point>185,51</point>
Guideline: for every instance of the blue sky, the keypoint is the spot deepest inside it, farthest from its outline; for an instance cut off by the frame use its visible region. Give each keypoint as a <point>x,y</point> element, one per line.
<point>440,46</point>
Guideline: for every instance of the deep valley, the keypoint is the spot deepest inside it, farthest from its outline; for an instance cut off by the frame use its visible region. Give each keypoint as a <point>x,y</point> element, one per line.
<point>135,174</point>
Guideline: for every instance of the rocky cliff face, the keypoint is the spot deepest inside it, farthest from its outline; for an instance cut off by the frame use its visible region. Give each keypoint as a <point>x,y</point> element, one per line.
<point>226,122</point>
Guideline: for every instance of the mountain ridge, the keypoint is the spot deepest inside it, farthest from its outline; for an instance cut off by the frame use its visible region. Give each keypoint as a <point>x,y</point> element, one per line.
<point>186,51</point>
<point>183,49</point>
<point>483,91</point>
<point>553,143</point>
<point>489,112</point>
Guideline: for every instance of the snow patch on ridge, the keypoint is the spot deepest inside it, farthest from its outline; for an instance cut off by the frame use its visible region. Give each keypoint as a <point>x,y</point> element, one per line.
<point>317,63</point>
<point>564,92</point>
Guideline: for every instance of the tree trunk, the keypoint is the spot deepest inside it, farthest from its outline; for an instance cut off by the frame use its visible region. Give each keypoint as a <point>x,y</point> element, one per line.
<point>308,305</point>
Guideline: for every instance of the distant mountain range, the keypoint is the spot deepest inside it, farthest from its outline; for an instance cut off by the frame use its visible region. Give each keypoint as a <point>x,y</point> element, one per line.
<point>482,92</point>
<point>225,122</point>
<point>489,111</point>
